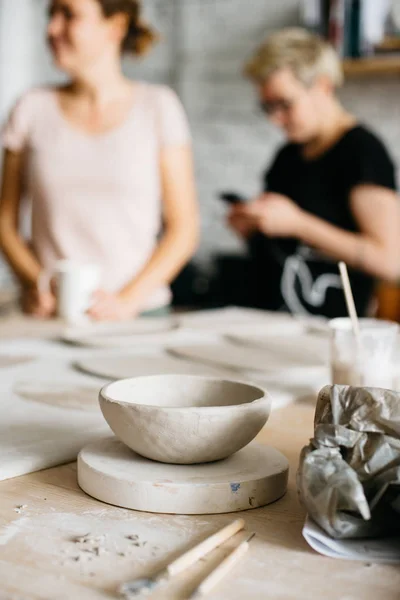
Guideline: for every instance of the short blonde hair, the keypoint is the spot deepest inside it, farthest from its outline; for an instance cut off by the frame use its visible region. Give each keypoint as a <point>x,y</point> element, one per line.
<point>305,53</point>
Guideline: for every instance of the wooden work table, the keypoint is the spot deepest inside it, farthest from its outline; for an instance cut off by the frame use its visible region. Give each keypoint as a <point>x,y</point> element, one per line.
<point>39,560</point>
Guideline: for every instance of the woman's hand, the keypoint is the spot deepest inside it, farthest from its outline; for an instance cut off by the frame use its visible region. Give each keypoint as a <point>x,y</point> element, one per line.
<point>39,304</point>
<point>272,214</point>
<point>241,222</point>
<point>112,307</point>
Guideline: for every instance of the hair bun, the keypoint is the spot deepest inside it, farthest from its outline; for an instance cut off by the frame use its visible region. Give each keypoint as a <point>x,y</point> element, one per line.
<point>140,37</point>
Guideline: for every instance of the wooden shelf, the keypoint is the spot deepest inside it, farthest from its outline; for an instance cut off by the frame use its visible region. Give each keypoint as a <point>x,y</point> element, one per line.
<point>372,66</point>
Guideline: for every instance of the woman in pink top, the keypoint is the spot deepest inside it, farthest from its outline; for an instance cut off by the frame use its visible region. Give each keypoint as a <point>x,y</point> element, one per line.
<point>105,163</point>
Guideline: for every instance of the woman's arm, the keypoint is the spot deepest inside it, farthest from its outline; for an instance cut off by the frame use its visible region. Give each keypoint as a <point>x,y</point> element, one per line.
<point>375,250</point>
<point>178,242</point>
<point>20,258</point>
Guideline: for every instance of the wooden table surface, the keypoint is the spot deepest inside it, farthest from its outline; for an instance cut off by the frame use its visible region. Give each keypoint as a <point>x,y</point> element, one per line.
<point>40,559</point>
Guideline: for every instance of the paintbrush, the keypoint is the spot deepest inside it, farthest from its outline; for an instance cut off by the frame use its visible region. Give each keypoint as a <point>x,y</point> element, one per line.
<point>147,584</point>
<point>222,569</point>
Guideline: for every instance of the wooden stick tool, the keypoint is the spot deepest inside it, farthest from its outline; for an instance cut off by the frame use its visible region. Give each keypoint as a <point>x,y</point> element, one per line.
<point>222,569</point>
<point>348,294</point>
<point>183,562</point>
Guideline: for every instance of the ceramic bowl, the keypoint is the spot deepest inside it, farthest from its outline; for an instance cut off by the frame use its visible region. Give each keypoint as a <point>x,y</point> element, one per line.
<point>184,419</point>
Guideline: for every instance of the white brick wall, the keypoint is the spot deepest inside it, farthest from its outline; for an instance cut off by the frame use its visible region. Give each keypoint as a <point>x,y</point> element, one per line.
<point>205,43</point>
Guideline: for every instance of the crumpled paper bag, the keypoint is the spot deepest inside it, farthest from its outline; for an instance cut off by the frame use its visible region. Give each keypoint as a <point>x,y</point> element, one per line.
<point>349,474</point>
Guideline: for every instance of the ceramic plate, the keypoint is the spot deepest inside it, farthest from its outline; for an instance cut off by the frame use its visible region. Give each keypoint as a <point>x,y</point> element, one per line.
<point>278,327</point>
<point>278,357</point>
<point>116,335</point>
<point>242,320</point>
<point>303,349</point>
<point>125,366</point>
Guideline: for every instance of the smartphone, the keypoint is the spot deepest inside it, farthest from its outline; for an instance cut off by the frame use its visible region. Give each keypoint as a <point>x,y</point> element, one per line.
<point>232,198</point>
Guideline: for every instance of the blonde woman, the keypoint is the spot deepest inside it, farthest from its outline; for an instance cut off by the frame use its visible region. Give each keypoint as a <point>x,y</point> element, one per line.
<point>105,162</point>
<point>330,192</point>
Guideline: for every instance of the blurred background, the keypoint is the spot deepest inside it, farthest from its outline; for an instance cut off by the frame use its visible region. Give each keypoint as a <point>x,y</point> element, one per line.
<point>204,45</point>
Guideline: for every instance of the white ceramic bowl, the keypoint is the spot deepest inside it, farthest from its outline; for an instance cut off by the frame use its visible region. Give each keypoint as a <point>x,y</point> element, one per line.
<point>184,419</point>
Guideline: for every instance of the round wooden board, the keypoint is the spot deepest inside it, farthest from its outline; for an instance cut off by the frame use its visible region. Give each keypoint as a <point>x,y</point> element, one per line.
<point>112,473</point>
<point>135,365</point>
<point>127,334</point>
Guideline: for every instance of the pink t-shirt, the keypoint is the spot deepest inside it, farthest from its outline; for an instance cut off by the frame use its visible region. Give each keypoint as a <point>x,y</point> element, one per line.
<point>97,197</point>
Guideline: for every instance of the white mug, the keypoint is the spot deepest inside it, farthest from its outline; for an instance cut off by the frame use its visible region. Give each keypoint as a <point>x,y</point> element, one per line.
<point>76,282</point>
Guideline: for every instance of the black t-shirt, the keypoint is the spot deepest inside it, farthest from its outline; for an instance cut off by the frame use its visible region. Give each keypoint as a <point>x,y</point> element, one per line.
<point>291,276</point>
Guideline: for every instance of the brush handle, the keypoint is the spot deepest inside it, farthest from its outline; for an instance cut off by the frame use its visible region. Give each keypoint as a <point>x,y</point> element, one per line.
<point>348,294</point>
<point>221,570</point>
<point>193,555</point>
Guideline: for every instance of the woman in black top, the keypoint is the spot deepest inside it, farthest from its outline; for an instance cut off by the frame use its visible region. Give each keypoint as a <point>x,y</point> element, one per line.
<point>329,194</point>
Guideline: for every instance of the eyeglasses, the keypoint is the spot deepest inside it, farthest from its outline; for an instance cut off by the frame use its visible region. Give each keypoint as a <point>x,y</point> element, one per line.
<point>270,108</point>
